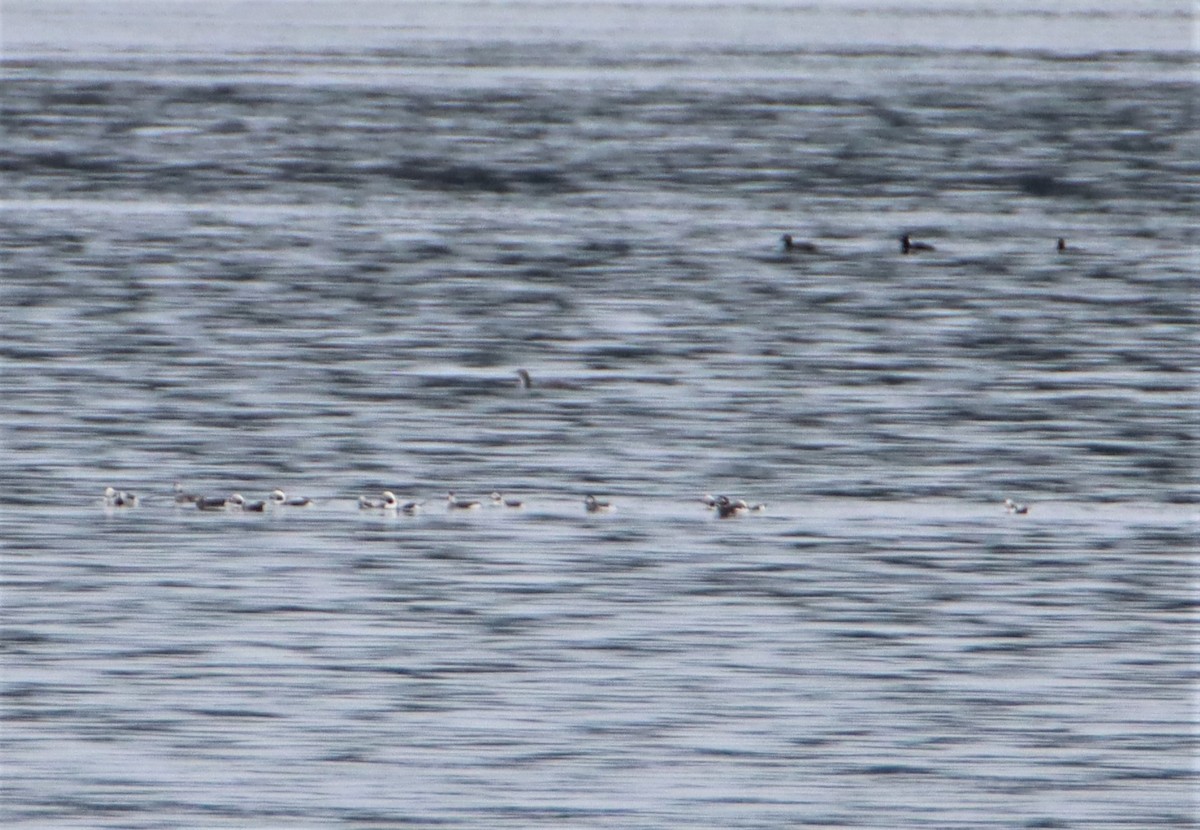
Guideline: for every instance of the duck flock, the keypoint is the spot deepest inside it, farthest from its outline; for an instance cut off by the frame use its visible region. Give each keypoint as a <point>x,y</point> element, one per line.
<point>387,501</point>
<point>723,507</point>
<point>907,245</point>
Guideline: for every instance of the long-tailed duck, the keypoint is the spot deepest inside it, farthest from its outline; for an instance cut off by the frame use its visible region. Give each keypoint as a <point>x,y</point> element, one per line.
<point>237,502</point>
<point>727,508</point>
<point>388,502</point>
<point>500,501</point>
<point>907,246</point>
<point>119,498</point>
<point>455,503</point>
<point>525,381</point>
<point>280,499</point>
<point>792,246</point>
<point>184,497</point>
<point>1012,507</point>
<point>594,505</point>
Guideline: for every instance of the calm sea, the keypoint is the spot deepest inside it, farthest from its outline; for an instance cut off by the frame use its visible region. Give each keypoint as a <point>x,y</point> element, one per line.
<point>308,246</point>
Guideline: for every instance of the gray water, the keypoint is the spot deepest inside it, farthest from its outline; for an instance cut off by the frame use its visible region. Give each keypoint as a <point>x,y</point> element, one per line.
<point>310,251</point>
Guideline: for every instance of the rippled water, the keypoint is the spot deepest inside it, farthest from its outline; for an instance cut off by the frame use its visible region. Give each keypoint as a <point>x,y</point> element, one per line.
<point>320,268</point>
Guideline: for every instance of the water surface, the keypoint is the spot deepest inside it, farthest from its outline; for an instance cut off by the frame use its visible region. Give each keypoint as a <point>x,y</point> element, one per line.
<point>317,262</point>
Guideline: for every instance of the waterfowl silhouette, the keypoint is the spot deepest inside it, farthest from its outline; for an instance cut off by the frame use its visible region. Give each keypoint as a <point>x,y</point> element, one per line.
<point>388,502</point>
<point>183,497</point>
<point>210,503</point>
<point>594,505</point>
<point>119,498</point>
<point>1018,509</point>
<point>237,502</point>
<point>499,501</point>
<point>280,499</point>
<point>455,503</point>
<point>727,508</point>
<point>793,246</point>
<point>525,381</point>
<point>907,246</point>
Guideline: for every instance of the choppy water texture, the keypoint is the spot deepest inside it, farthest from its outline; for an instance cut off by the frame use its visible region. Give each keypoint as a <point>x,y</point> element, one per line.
<point>319,268</point>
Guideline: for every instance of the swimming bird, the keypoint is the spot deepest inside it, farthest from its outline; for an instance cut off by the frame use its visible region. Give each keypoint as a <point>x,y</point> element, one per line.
<point>210,503</point>
<point>119,498</point>
<point>388,502</point>
<point>1062,247</point>
<point>499,501</point>
<point>411,508</point>
<point>792,245</point>
<point>594,505</point>
<point>727,508</point>
<point>525,382</point>
<point>1012,507</point>
<point>237,502</point>
<point>183,497</point>
<point>280,499</point>
<point>907,246</point>
<point>454,503</point>
<point>709,500</point>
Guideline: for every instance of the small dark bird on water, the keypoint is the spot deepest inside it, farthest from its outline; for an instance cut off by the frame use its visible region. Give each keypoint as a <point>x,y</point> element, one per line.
<point>525,381</point>
<point>792,245</point>
<point>907,246</point>
<point>594,505</point>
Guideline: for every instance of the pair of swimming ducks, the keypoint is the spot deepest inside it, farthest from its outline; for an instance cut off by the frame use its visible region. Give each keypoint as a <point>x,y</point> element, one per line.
<point>907,246</point>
